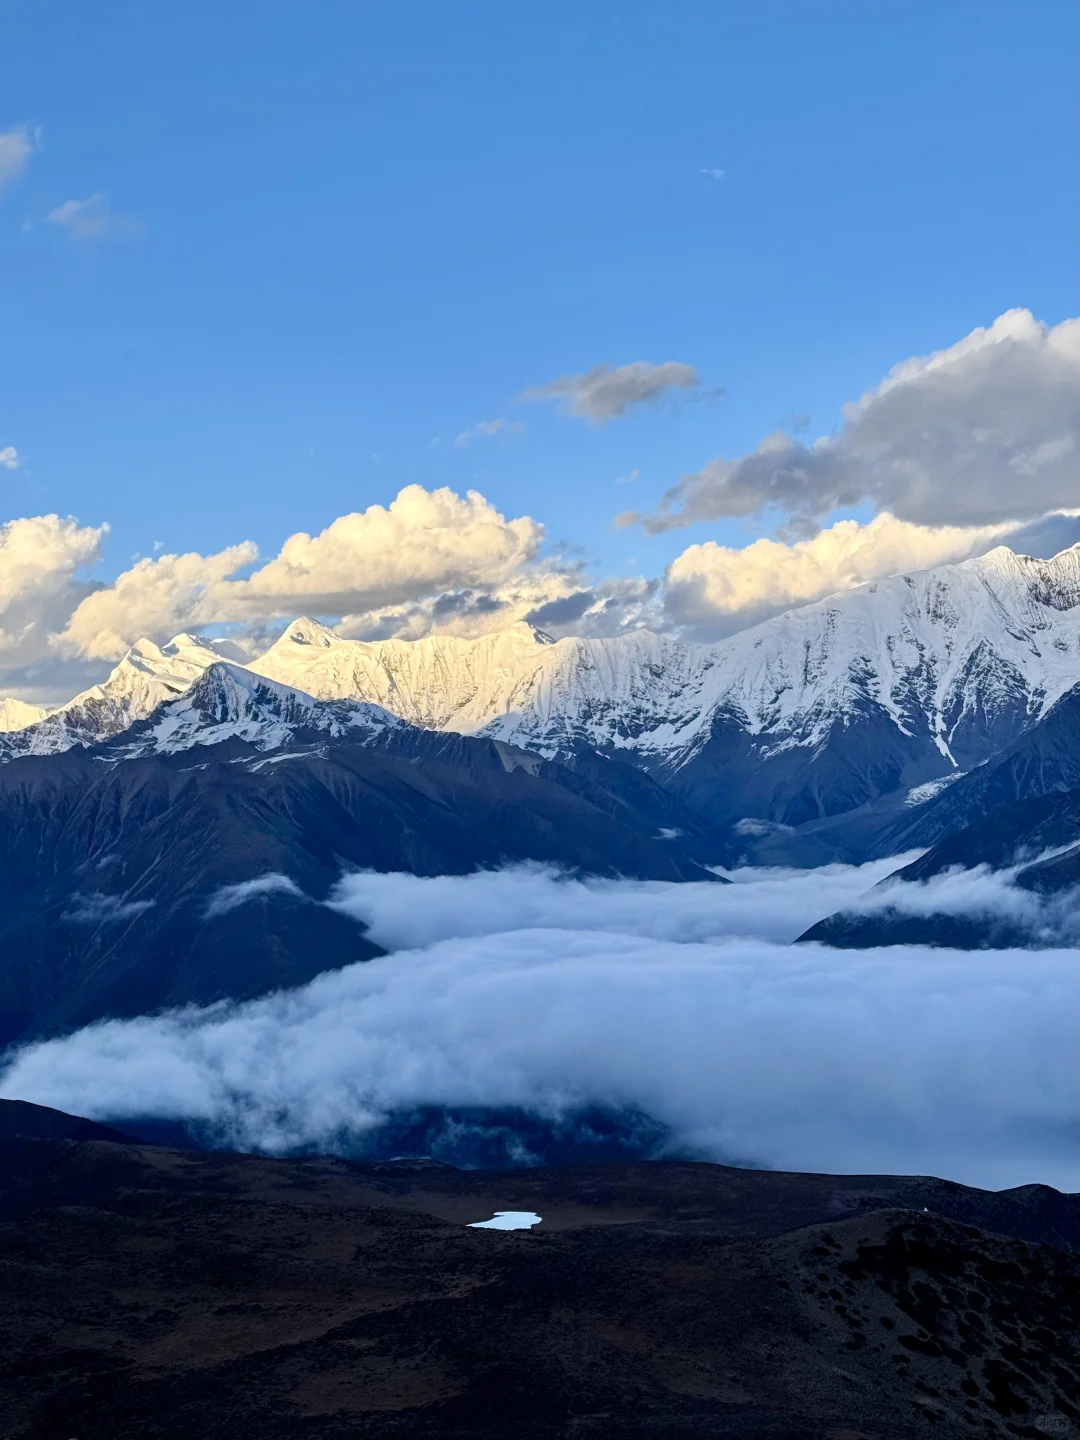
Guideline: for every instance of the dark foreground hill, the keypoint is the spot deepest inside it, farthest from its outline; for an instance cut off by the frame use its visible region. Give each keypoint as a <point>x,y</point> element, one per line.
<point>158,1293</point>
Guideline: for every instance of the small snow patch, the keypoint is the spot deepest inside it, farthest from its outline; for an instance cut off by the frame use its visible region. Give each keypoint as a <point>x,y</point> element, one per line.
<point>922,793</point>
<point>508,1220</point>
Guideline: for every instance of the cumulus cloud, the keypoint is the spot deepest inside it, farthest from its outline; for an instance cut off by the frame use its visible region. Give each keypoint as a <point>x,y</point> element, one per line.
<point>712,589</point>
<point>423,544</point>
<point>42,559</point>
<point>9,458</point>
<point>156,597</point>
<point>16,147</point>
<point>93,219</point>
<point>604,393</point>
<point>983,432</point>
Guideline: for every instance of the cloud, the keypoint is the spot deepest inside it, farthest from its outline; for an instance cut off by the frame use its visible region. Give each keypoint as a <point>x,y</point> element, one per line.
<point>231,897</point>
<point>983,432</point>
<point>99,909</point>
<point>628,478</point>
<point>896,1060</point>
<point>604,393</point>
<point>156,597</point>
<point>983,893</point>
<point>412,912</point>
<point>9,458</point>
<point>40,563</point>
<point>92,219</point>
<point>711,590</point>
<point>714,174</point>
<point>556,598</point>
<point>16,147</point>
<point>423,544</point>
<point>485,429</point>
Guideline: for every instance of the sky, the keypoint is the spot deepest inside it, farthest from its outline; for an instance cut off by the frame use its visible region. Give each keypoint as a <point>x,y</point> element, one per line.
<point>265,267</point>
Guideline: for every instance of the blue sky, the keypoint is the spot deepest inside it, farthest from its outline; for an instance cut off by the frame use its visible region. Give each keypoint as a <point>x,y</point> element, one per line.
<point>370,225</point>
<point>342,231</point>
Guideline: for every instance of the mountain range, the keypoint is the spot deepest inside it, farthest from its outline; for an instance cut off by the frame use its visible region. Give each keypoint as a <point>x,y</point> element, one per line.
<point>870,694</point>
<point>190,857</point>
<point>173,835</point>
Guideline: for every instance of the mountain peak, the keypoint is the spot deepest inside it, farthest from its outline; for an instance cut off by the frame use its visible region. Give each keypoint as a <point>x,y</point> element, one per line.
<point>305,631</point>
<point>228,702</point>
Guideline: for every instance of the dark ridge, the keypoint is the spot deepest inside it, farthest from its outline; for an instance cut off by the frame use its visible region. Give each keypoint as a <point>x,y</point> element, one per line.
<point>159,1293</point>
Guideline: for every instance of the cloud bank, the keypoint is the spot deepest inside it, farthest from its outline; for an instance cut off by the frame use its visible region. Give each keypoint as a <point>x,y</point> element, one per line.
<point>983,432</point>
<point>411,911</point>
<point>896,1060</point>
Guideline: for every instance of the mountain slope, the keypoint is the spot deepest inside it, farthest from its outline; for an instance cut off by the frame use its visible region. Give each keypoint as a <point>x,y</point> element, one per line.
<point>188,859</point>
<point>1004,815</point>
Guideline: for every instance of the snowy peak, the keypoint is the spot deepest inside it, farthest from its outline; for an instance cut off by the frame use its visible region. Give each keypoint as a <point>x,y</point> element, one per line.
<point>305,631</point>
<point>147,676</point>
<point>229,703</point>
<point>17,715</point>
<point>952,658</point>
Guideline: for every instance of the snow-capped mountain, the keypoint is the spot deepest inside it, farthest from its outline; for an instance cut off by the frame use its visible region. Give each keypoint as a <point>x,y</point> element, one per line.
<point>920,675</point>
<point>17,715</point>
<point>147,676</point>
<point>227,702</point>
<point>815,712</point>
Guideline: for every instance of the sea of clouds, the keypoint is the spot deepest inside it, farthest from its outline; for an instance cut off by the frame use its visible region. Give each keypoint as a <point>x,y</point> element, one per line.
<point>526,990</point>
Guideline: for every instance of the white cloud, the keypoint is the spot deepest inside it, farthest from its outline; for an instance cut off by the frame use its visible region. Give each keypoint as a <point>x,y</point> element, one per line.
<point>425,543</point>
<point>99,909</point>
<point>604,393</point>
<point>983,432</point>
<point>16,147</point>
<point>231,897</point>
<point>156,597</point>
<point>40,561</point>
<point>406,912</point>
<point>485,429</point>
<point>93,219</point>
<point>896,1060</point>
<point>712,589</point>
<point>714,174</point>
<point>9,458</point>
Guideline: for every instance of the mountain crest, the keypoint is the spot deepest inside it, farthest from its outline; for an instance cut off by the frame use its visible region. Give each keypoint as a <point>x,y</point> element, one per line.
<point>305,631</point>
